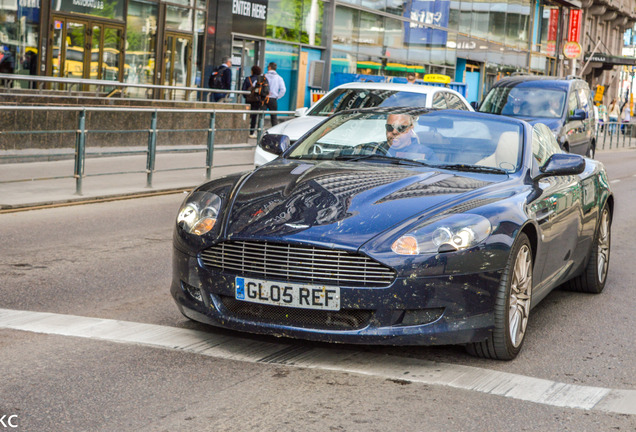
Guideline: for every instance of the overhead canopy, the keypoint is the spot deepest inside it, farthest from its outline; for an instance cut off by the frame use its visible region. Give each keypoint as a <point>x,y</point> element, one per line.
<point>609,61</point>
<point>575,4</point>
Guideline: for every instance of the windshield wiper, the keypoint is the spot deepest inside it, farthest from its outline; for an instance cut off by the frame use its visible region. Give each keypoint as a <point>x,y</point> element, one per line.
<point>472,168</point>
<point>375,156</point>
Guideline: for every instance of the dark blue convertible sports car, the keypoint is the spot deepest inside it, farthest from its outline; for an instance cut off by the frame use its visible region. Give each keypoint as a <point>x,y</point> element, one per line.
<point>396,226</point>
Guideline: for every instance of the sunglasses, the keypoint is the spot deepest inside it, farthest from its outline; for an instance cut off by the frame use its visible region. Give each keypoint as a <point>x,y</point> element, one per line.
<point>400,128</point>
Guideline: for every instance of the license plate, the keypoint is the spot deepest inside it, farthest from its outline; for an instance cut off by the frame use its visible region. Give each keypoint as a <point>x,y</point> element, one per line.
<point>288,294</point>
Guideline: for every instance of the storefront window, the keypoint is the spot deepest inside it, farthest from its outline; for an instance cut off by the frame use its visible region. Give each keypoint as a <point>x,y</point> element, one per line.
<point>286,58</point>
<point>295,20</point>
<point>374,4</point>
<point>345,29</point>
<point>141,45</point>
<point>19,36</point>
<point>371,34</point>
<point>312,13</point>
<point>497,22</point>
<point>113,9</point>
<point>480,19</point>
<point>179,18</point>
<point>199,37</point>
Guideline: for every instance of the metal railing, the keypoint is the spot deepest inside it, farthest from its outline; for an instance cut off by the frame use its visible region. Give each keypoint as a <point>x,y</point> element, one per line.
<point>43,84</point>
<point>150,149</point>
<point>613,135</point>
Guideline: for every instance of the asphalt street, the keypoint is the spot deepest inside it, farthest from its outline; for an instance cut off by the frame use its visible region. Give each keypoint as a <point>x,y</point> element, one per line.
<point>91,340</point>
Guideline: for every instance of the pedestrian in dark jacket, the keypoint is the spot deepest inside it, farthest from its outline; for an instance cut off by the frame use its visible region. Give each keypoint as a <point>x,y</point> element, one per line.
<point>254,105</point>
<point>224,80</point>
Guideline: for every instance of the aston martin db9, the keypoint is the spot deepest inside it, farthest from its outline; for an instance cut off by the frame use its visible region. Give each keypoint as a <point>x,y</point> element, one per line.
<point>397,226</point>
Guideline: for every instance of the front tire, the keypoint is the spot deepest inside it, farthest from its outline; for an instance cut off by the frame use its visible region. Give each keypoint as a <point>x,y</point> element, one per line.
<point>512,306</point>
<point>593,278</point>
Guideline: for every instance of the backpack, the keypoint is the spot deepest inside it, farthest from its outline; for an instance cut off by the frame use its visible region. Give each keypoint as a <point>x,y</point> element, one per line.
<point>259,90</point>
<point>216,79</point>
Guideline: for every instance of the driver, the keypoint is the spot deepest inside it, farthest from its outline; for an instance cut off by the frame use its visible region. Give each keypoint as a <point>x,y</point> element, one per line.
<point>401,139</point>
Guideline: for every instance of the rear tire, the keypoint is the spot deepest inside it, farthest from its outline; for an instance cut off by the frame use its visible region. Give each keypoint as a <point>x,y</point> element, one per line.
<point>512,306</point>
<point>593,278</point>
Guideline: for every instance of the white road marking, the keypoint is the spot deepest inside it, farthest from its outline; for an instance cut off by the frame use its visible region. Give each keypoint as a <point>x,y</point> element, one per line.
<point>383,366</point>
<point>615,181</point>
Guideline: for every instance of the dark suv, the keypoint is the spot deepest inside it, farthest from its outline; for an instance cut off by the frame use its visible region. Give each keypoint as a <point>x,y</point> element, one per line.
<point>565,105</point>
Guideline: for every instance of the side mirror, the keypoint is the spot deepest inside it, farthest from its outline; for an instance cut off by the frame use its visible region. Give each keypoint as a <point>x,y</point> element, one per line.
<point>475,105</point>
<point>275,143</point>
<point>562,164</point>
<point>578,114</point>
<point>301,112</point>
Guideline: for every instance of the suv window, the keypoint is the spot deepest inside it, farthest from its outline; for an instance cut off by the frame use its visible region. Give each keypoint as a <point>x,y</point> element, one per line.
<point>525,101</point>
<point>573,102</point>
<point>544,144</point>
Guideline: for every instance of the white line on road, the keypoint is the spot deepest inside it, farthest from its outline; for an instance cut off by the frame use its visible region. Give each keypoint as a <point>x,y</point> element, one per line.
<point>384,366</point>
<point>615,181</point>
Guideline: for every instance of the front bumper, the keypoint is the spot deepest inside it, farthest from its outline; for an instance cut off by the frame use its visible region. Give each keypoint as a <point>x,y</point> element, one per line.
<point>435,310</point>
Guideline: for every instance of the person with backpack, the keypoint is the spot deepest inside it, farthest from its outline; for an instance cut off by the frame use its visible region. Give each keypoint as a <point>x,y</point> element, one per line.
<point>221,79</point>
<point>258,87</point>
<point>277,90</point>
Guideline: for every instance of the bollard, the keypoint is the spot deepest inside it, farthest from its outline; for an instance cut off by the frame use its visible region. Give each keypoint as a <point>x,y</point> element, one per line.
<point>209,156</point>
<point>152,149</point>
<point>80,150</point>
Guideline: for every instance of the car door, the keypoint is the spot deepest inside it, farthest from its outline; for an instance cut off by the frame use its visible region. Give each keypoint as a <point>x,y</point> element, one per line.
<point>557,210</point>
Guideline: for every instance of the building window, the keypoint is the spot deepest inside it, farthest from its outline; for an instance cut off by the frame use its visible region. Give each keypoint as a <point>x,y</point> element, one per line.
<point>141,45</point>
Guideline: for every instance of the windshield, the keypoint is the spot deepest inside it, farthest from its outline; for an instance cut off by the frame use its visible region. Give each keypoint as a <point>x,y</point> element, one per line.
<point>345,99</point>
<point>525,102</point>
<point>447,139</point>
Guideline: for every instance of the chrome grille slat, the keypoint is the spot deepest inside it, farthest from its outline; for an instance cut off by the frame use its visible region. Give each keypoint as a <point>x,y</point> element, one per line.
<point>300,265</point>
<point>304,264</point>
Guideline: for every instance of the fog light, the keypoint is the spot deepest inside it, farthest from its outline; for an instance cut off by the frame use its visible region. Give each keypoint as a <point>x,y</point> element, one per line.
<point>421,316</point>
<point>193,292</point>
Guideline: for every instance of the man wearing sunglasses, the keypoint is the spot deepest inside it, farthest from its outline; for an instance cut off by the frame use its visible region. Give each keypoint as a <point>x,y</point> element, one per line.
<point>402,141</point>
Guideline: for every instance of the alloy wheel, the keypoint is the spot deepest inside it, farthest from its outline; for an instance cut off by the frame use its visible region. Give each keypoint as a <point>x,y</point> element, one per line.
<point>520,295</point>
<point>603,246</point>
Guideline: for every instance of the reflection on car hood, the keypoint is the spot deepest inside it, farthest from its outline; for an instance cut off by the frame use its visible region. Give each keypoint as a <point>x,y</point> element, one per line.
<point>297,127</point>
<point>340,203</point>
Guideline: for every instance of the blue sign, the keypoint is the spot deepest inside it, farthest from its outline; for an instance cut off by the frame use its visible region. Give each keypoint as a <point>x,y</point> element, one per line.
<point>427,13</point>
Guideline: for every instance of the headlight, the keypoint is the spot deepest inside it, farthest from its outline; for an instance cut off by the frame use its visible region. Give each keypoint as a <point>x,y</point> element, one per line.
<point>199,212</point>
<point>456,232</point>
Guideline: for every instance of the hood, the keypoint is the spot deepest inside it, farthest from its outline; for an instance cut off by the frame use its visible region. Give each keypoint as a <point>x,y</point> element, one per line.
<point>337,203</point>
<point>296,127</point>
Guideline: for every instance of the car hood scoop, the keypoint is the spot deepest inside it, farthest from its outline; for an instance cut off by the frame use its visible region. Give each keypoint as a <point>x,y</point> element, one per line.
<point>336,202</point>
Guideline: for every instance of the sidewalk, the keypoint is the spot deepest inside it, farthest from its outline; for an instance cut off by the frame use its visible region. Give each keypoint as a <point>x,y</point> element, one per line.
<point>59,186</point>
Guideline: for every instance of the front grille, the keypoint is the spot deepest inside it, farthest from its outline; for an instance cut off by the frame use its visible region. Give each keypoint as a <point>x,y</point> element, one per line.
<point>303,264</point>
<point>351,319</point>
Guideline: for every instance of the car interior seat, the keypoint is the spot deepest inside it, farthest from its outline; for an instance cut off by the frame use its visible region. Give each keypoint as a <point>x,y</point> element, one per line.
<point>506,154</point>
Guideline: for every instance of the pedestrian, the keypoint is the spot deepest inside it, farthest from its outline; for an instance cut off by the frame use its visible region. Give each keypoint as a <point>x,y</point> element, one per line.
<point>258,86</point>
<point>277,90</point>
<point>221,79</point>
<point>7,65</point>
<point>602,115</point>
<point>626,116</point>
<point>614,113</point>
<point>410,78</point>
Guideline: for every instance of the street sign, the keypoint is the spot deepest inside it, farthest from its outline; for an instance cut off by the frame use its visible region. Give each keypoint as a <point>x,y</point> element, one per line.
<point>572,50</point>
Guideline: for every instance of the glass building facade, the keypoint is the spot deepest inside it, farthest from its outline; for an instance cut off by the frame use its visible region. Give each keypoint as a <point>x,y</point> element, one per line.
<point>316,44</point>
